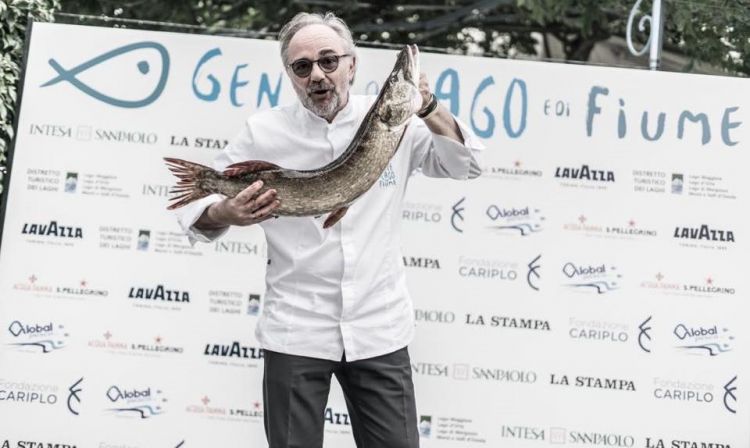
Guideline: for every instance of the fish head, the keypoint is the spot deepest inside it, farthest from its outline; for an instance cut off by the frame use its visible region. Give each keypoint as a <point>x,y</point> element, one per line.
<point>401,98</point>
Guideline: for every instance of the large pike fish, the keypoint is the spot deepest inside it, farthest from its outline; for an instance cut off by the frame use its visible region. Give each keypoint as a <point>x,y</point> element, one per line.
<point>333,187</point>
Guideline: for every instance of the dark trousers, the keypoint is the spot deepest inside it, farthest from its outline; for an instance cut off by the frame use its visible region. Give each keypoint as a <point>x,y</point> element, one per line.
<point>379,397</point>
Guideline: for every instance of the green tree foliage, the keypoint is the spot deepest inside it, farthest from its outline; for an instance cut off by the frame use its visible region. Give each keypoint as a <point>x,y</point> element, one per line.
<point>716,32</point>
<point>14,17</point>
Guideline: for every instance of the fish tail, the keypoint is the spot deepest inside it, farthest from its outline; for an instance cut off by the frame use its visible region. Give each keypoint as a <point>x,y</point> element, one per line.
<point>188,188</point>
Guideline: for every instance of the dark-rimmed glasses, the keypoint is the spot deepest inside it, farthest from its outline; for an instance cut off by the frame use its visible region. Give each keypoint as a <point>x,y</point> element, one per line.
<point>328,63</point>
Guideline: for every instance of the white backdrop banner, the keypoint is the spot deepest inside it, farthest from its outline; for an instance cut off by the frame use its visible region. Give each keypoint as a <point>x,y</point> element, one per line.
<point>586,291</point>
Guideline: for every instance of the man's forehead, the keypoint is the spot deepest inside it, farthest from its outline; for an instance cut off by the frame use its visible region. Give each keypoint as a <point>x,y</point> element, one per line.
<point>315,40</point>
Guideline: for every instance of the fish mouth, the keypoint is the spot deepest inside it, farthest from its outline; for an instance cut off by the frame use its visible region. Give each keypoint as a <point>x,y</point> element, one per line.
<point>409,63</point>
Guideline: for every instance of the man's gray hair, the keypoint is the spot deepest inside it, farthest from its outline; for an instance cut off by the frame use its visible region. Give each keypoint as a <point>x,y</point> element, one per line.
<point>304,19</point>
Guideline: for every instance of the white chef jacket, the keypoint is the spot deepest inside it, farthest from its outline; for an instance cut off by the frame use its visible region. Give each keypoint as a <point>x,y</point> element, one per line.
<point>342,289</point>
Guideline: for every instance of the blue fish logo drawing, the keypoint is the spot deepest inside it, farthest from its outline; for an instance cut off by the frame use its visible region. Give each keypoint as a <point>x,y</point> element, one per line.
<point>143,67</point>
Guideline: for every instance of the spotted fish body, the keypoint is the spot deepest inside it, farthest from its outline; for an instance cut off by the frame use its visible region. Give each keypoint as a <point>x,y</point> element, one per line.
<point>333,186</point>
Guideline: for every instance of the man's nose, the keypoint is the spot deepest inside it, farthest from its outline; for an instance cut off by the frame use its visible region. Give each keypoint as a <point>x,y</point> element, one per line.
<point>317,74</point>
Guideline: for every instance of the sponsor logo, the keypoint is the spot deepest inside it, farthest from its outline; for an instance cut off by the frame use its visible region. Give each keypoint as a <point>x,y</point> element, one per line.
<point>507,322</point>
<point>32,284</point>
<point>71,182</point>
<point>40,179</point>
<point>70,75</point>
<point>532,275</point>
<point>695,185</point>
<point>116,346</point>
<point>704,233</point>
<point>45,337</point>
<point>593,382</point>
<point>81,290</point>
<point>595,330</point>
<point>144,239</point>
<point>233,302</point>
<point>683,391</point>
<point>677,183</point>
<point>584,173</point>
<point>421,262</point>
<point>87,133</point>
<point>730,399</point>
<point>522,432</point>
<point>521,221</point>
<point>335,417</point>
<point>73,399</point>
<point>659,443</point>
<point>457,217</point>
<point>233,350</point>
<point>23,393</point>
<point>598,278</point>
<point>136,402</point>
<point>515,172</point>
<point>51,130</point>
<point>125,136</point>
<point>155,348</point>
<point>253,304</point>
<point>487,269</point>
<point>52,230</point>
<point>434,316</point>
<point>159,293</point>
<point>422,213</point>
<point>236,247</point>
<point>198,142</point>
<point>233,354</point>
<point>8,443</point>
<point>710,340</point>
<point>425,426</point>
<point>450,429</point>
<point>644,336</point>
<point>583,225</point>
<point>429,369</point>
<point>562,436</point>
<point>647,181</point>
<point>707,287</point>
<point>207,408</point>
<point>388,178</point>
<point>629,230</point>
<point>158,190</point>
<point>502,375</point>
<point>469,372</point>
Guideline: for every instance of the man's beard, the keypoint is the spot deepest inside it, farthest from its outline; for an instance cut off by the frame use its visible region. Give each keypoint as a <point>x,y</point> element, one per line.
<point>326,110</point>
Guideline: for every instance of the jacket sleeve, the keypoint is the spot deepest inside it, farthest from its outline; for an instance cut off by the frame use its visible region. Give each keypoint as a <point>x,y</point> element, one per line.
<point>238,150</point>
<point>438,156</point>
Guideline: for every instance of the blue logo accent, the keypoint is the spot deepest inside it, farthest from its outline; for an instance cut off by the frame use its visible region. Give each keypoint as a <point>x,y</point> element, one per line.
<point>143,67</point>
<point>388,178</point>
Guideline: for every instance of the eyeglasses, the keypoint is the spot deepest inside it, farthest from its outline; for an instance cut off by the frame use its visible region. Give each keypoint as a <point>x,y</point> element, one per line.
<point>328,63</point>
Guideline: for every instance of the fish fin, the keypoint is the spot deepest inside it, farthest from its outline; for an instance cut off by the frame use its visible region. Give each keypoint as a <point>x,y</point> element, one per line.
<point>249,166</point>
<point>335,217</point>
<point>187,188</point>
